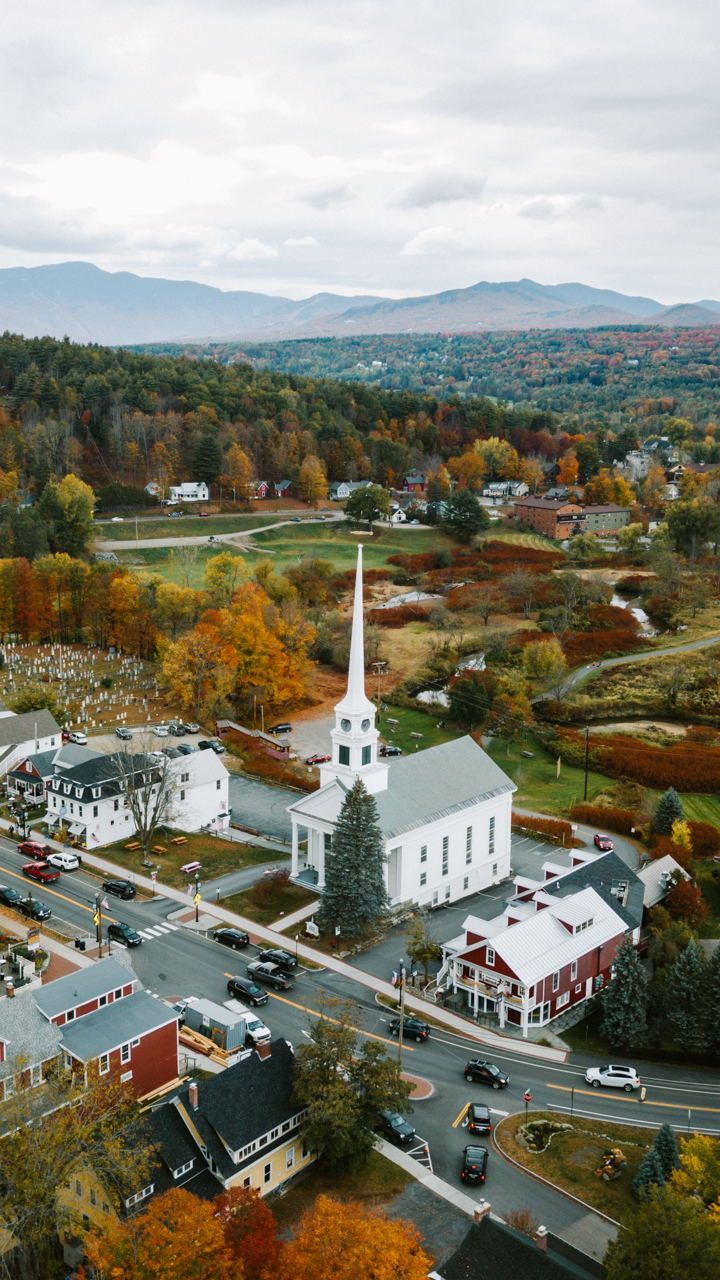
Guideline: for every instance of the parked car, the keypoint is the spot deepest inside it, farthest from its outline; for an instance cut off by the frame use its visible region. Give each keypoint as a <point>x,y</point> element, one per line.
<point>479,1118</point>
<point>613,1077</point>
<point>318,759</point>
<point>78,737</point>
<point>275,955</point>
<point>212,538</point>
<point>272,974</point>
<point>9,897</point>
<point>191,727</point>
<point>121,932</point>
<point>603,842</point>
<point>177,728</point>
<point>186,749</point>
<point>40,871</point>
<point>211,744</point>
<point>483,1072</point>
<point>34,909</point>
<point>396,1128</point>
<point>285,727</point>
<point>175,515</point>
<point>235,938</point>
<point>33,849</point>
<point>246,989</point>
<point>124,733</point>
<point>172,753</point>
<point>385,750</point>
<point>473,1167</point>
<point>64,861</point>
<point>413,1028</point>
<point>121,888</point>
<point>160,731</point>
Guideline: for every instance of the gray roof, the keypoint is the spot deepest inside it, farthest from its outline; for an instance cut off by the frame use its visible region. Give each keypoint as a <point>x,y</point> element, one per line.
<point>115,1024</point>
<point>26,1033</point>
<point>604,874</point>
<point>31,724</point>
<point>83,985</point>
<point>437,782</point>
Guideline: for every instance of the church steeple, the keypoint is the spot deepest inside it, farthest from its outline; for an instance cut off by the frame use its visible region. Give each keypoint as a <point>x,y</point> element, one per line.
<point>354,738</point>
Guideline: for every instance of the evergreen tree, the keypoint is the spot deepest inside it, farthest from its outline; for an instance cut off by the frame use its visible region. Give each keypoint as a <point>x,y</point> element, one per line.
<point>711,1010</point>
<point>207,459</point>
<point>687,997</point>
<point>650,1173</point>
<point>624,1000</point>
<point>666,1146</point>
<point>669,810</point>
<point>354,896</point>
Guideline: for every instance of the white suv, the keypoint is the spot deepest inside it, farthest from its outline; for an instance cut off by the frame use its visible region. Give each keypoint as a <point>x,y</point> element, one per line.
<point>613,1077</point>
<point>64,861</point>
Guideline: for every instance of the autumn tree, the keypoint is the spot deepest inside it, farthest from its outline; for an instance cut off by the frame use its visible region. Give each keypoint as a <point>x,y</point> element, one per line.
<point>691,524</point>
<point>666,1237</point>
<point>468,471</point>
<point>223,575</point>
<point>345,1241</point>
<point>178,1237</point>
<point>545,661</point>
<point>312,481</point>
<point>148,788</point>
<point>698,1171</point>
<point>237,471</point>
<point>421,946</point>
<point>567,472</point>
<point>607,486</point>
<point>95,1132</point>
<point>499,457</point>
<point>438,484</point>
<point>67,506</point>
<point>198,670</point>
<point>251,1232</point>
<point>344,1080</point>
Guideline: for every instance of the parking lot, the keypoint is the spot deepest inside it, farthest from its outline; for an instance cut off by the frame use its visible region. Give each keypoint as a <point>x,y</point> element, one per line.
<point>143,739</point>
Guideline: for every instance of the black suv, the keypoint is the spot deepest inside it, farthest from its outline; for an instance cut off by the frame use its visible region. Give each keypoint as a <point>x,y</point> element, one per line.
<point>9,896</point>
<point>235,938</point>
<point>479,1118</point>
<point>121,888</point>
<point>275,955</point>
<point>473,1166</point>
<point>413,1029</point>
<point>486,1073</point>
<point>34,909</point>
<point>285,727</point>
<point>396,1128</point>
<point>247,990</point>
<point>123,933</point>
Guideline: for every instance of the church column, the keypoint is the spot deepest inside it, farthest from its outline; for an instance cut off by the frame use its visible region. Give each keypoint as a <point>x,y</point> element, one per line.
<point>294,856</point>
<point>320,837</point>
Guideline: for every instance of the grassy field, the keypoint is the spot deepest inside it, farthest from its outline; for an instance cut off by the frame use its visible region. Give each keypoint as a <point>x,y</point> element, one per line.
<point>538,785</point>
<point>338,544</point>
<point>183,565</point>
<point>520,539</point>
<point>283,901</point>
<point>398,724</point>
<point>185,527</point>
<point>217,857</point>
<point>572,1157</point>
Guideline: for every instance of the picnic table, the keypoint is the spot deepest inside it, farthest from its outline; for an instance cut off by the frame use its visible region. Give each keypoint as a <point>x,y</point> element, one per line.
<point>191,867</point>
<point>134,844</point>
<point>159,848</point>
<point>179,840</point>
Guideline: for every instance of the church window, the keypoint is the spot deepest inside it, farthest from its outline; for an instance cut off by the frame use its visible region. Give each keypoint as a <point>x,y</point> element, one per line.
<point>466,882</point>
<point>423,878</point>
<point>445,854</point>
<point>343,755</point>
<point>423,853</point>
<point>491,841</point>
<point>468,845</point>
<point>365,726</point>
<point>366,755</point>
<point>345,725</point>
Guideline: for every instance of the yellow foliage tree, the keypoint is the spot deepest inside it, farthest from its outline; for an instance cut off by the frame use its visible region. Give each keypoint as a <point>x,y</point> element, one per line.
<point>468,471</point>
<point>238,471</point>
<point>337,1241</point>
<point>312,481</point>
<point>699,1172</point>
<point>223,575</point>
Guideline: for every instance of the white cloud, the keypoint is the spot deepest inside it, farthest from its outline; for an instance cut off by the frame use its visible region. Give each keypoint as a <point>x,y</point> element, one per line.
<point>251,250</point>
<point>432,240</point>
<point>302,242</point>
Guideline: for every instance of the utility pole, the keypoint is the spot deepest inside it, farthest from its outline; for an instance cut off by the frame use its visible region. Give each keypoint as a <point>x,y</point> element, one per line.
<point>97,921</point>
<point>401,980</point>
<point>262,717</point>
<point>587,753</point>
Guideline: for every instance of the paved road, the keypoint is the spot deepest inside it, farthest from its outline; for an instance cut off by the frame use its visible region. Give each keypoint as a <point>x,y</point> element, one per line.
<point>174,962</point>
<point>236,538</point>
<point>592,668</point>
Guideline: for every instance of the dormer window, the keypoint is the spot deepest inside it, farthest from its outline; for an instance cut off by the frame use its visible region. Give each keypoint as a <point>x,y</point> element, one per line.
<point>489,956</point>
<point>96,792</point>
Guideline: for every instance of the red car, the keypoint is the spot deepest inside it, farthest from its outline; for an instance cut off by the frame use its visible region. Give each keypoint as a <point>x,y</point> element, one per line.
<point>604,843</point>
<point>318,759</point>
<point>33,849</point>
<point>41,871</point>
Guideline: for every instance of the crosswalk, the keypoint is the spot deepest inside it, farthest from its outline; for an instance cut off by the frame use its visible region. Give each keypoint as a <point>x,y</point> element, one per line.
<point>157,930</point>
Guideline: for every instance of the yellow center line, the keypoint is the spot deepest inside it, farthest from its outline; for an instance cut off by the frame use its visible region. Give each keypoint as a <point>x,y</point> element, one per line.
<point>55,892</point>
<point>460,1115</point>
<point>653,1102</point>
<point>370,1035</point>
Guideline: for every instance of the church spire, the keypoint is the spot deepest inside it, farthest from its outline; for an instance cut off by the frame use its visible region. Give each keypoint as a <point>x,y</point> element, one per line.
<point>356,669</point>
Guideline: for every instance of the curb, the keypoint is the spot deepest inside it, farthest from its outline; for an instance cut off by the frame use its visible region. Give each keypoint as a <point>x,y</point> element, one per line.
<point>546,1182</point>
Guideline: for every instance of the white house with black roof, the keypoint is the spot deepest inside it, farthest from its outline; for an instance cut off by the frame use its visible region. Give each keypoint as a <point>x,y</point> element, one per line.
<point>445,812</point>
<point>89,799</point>
<point>240,1128</point>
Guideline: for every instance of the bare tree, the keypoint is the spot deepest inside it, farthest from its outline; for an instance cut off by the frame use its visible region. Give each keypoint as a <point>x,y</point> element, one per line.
<point>148,785</point>
<point>187,558</point>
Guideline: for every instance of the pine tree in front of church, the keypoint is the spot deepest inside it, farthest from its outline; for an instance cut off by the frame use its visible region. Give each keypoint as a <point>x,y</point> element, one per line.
<point>354,897</point>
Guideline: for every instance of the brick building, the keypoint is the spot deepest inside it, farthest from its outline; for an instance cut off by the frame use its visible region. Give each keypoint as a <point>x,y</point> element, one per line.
<point>558,520</point>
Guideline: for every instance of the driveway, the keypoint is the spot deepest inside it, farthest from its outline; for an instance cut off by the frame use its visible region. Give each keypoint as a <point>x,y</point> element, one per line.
<point>260,806</point>
<point>648,655</point>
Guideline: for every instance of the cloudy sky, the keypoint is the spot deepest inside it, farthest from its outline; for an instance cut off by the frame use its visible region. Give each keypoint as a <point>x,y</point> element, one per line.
<point>365,146</point>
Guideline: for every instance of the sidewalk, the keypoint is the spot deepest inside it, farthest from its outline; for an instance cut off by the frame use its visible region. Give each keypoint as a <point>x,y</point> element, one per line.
<point>70,955</point>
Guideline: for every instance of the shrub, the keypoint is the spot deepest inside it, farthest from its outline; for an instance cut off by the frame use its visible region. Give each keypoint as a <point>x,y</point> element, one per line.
<point>554,829</point>
<point>607,817</point>
<point>269,888</point>
<point>705,839</point>
<point>685,902</point>
<point>398,616</point>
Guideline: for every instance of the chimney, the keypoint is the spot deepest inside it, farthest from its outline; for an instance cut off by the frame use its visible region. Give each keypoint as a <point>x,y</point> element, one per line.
<point>9,988</point>
<point>264,1050</point>
<point>482,1211</point>
<point>193,1095</point>
<point>541,1236</point>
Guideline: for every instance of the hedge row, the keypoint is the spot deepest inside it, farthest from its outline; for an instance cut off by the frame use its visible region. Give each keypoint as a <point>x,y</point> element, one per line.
<point>553,829</point>
<point>397,616</point>
<point>606,818</point>
<point>683,765</point>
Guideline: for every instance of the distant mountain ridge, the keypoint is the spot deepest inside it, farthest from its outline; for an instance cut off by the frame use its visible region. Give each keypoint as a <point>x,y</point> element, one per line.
<point>87,304</point>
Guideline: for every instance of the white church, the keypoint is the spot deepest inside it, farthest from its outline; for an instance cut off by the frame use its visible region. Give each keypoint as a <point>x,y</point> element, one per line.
<point>445,812</point>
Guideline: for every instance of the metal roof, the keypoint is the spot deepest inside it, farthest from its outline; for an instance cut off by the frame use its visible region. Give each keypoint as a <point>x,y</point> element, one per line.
<point>115,1024</point>
<point>84,985</point>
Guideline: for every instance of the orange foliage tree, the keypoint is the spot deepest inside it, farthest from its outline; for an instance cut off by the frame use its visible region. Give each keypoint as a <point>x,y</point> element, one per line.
<point>250,1230</point>
<point>568,468</point>
<point>338,1241</point>
<point>178,1237</point>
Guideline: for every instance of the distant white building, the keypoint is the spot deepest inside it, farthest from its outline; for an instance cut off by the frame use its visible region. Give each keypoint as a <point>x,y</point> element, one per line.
<point>341,489</point>
<point>445,813</point>
<point>190,491</point>
<point>153,488</point>
<point>88,799</point>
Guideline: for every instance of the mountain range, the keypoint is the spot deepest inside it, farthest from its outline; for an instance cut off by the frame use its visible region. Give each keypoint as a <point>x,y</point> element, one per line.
<point>87,304</point>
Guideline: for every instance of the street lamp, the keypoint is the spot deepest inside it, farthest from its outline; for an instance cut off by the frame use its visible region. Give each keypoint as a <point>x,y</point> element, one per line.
<point>97,921</point>
<point>297,940</point>
<point>197,897</point>
<point>401,980</point>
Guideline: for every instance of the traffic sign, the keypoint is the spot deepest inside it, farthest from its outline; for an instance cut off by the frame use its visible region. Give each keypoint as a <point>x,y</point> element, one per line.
<point>197,899</point>
<point>96,918</point>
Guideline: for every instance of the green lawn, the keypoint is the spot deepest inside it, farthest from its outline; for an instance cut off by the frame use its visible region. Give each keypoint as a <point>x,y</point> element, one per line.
<point>702,808</point>
<point>217,857</point>
<point>284,900</point>
<point>339,544</point>
<point>409,722</point>
<point>174,563</point>
<point>520,539</point>
<point>539,787</point>
<point>184,527</point>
